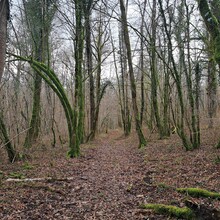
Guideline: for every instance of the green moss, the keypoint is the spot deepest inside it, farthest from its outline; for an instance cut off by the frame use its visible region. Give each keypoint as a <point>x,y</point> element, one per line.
<point>197,192</point>
<point>170,210</point>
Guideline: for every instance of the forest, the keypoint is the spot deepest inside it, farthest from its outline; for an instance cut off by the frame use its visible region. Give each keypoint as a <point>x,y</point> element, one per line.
<point>110,109</point>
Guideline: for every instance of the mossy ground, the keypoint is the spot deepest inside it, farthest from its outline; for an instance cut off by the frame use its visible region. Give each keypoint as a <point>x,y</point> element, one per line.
<point>197,192</point>
<point>170,210</point>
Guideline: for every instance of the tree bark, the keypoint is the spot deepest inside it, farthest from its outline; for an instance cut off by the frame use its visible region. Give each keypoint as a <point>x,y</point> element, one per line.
<point>4,15</point>
<point>89,65</point>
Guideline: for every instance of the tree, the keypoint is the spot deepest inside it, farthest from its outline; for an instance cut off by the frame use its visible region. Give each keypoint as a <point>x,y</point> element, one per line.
<point>4,16</point>
<point>100,39</point>
<point>52,80</point>
<point>87,6</point>
<point>211,18</point>
<point>142,141</point>
<point>39,16</point>
<point>79,95</point>
<point>212,24</point>
<point>190,118</point>
<point>142,61</point>
<point>154,75</point>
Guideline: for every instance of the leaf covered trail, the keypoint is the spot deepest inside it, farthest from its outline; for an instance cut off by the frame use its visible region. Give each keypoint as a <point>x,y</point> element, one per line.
<point>103,178</point>
<point>110,180</point>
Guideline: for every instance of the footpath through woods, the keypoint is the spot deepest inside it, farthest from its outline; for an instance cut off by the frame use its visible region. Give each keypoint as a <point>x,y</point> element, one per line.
<point>99,187</point>
<point>109,181</point>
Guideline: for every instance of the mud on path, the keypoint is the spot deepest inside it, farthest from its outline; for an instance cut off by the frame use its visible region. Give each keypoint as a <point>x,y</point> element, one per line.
<point>100,189</point>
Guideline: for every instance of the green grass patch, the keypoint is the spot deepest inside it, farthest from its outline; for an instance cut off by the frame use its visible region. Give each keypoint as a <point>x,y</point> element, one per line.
<point>16,175</point>
<point>163,186</point>
<point>1,173</point>
<point>27,166</point>
<point>217,160</point>
<point>218,145</point>
<point>170,210</point>
<point>197,192</point>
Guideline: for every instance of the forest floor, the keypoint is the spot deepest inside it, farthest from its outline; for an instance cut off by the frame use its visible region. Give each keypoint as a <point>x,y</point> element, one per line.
<point>110,180</point>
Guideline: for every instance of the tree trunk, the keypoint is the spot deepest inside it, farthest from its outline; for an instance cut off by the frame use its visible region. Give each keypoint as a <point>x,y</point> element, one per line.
<point>212,24</point>
<point>177,78</point>
<point>154,75</point>
<point>142,64</point>
<point>89,65</point>
<point>7,142</point>
<point>211,83</point>
<point>142,141</point>
<point>4,15</point>
<point>79,95</point>
<point>123,84</point>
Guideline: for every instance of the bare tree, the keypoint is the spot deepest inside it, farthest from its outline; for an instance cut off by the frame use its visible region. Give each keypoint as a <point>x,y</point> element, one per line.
<point>142,141</point>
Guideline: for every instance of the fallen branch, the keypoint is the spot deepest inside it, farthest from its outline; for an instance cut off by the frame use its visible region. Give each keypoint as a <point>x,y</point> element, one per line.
<point>39,179</point>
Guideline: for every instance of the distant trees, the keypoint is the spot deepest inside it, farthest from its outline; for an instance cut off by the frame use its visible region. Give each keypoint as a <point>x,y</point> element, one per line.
<point>153,54</point>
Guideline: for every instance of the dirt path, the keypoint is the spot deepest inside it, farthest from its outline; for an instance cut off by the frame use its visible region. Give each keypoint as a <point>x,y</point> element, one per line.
<point>110,180</point>
<point>101,189</point>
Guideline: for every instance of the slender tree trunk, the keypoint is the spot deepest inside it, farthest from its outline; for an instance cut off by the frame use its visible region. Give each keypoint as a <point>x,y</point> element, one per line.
<point>154,75</point>
<point>7,142</point>
<point>126,118</point>
<point>99,48</point>
<point>211,85</point>
<point>177,78</point>
<point>142,64</point>
<point>142,141</point>
<point>118,84</point>
<point>79,94</point>
<point>4,15</point>
<point>188,72</point>
<point>89,65</point>
<point>197,97</point>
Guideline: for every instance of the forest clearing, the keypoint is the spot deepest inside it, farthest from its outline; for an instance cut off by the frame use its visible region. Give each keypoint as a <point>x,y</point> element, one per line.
<point>111,180</point>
